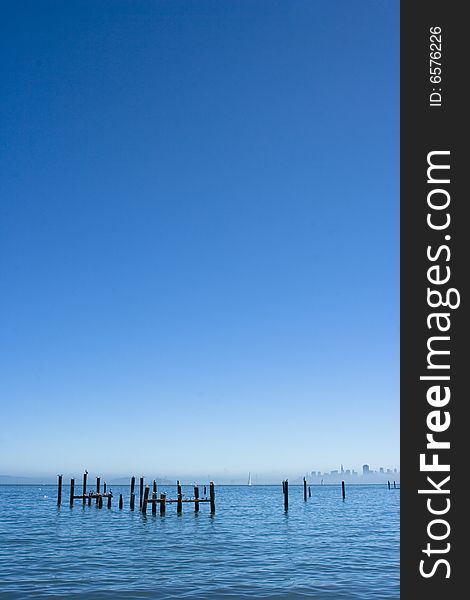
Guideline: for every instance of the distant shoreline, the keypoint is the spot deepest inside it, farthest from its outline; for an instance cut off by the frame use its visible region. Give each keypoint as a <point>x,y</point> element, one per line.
<point>218,484</point>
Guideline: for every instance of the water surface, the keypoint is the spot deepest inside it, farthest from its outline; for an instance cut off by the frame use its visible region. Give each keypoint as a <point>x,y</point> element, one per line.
<point>324,548</point>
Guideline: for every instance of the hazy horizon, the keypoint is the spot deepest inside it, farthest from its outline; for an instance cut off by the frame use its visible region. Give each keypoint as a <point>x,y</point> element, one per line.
<point>271,478</point>
<point>274,474</point>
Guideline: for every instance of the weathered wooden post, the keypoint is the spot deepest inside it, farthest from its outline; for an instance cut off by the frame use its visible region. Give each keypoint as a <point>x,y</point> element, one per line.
<point>286,495</point>
<point>343,490</point>
<point>394,486</point>
<point>89,498</point>
<point>162,503</point>
<point>59,490</point>
<point>98,482</point>
<point>120,502</point>
<point>309,492</point>
<point>212,496</point>
<point>109,500</point>
<point>141,491</point>
<point>305,490</point>
<point>205,491</point>
<point>104,488</point>
<point>145,499</point>
<point>388,484</point>
<point>154,487</point>
<point>132,503</point>
<point>132,489</point>
<point>196,498</point>
<point>84,487</point>
<point>72,491</point>
<point>179,506</point>
<point>154,503</point>
<point>100,501</point>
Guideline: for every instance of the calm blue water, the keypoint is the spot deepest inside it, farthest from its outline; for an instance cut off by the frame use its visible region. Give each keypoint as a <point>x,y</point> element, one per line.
<point>324,548</point>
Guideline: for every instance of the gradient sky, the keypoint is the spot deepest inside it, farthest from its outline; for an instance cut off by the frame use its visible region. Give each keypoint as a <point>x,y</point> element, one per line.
<point>199,236</point>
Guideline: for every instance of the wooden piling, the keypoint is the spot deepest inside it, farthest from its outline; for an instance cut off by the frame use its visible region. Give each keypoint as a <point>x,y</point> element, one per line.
<point>98,482</point>
<point>109,500</point>
<point>179,506</point>
<point>286,495</point>
<point>205,491</point>
<point>196,498</point>
<point>84,487</point>
<point>141,491</point>
<point>72,491</point>
<point>132,502</point>
<point>145,499</point>
<point>89,499</point>
<point>305,490</point>
<point>212,496</point>
<point>59,490</point>
<point>154,487</point>
<point>104,488</point>
<point>394,486</point>
<point>100,501</point>
<point>309,492</point>
<point>388,484</point>
<point>120,502</point>
<point>132,490</point>
<point>162,503</point>
<point>154,503</point>
<point>343,490</point>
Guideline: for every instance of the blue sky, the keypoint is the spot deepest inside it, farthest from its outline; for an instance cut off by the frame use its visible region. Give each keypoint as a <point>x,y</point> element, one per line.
<point>199,236</point>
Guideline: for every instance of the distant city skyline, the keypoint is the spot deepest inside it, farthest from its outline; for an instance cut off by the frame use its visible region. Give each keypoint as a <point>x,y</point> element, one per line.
<point>199,237</point>
<point>365,474</point>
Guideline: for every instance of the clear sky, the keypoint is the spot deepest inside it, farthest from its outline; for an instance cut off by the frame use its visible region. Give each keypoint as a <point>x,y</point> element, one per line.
<point>199,236</point>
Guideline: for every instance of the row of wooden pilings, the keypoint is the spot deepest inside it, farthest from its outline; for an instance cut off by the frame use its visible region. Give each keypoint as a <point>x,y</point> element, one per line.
<point>145,498</point>
<point>308,491</point>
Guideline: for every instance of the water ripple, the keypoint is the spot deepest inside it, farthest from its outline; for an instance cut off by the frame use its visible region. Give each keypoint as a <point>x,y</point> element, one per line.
<point>323,549</point>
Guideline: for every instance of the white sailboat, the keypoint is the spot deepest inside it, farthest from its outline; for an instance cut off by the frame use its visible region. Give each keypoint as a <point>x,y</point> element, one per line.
<point>249,479</point>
